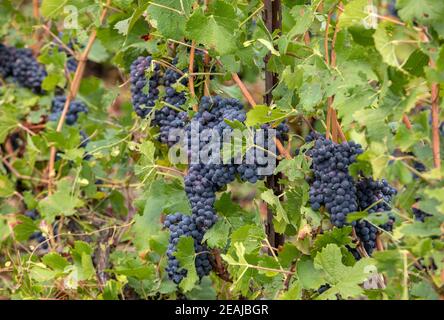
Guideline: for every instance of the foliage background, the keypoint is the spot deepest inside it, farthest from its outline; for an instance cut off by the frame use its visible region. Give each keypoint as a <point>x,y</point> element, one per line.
<point>108,209</point>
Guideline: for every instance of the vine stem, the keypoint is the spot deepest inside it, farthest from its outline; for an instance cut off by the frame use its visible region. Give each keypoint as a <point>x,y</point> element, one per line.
<point>334,128</point>
<point>35,9</point>
<point>435,123</point>
<point>73,90</point>
<point>406,121</point>
<point>190,71</point>
<point>243,89</point>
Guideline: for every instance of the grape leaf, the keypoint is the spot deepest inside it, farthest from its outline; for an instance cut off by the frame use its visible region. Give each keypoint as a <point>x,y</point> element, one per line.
<point>212,31</point>
<point>343,280</point>
<point>186,255</point>
<point>170,17</point>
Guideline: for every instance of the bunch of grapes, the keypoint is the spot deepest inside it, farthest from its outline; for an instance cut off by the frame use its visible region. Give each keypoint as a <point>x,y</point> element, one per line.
<point>202,182</point>
<point>250,170</point>
<point>205,178</point>
<point>27,72</point>
<point>332,185</point>
<point>169,122</point>
<point>375,196</point>
<point>169,80</point>
<point>75,107</point>
<point>366,232</point>
<point>169,119</point>
<point>7,58</point>
<point>144,91</point>
<point>181,225</point>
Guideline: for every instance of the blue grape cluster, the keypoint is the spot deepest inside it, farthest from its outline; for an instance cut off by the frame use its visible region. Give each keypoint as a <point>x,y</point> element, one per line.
<point>27,72</point>
<point>332,186</point>
<point>375,196</point>
<point>169,119</point>
<point>203,180</point>
<point>7,58</point>
<point>366,232</point>
<point>169,80</point>
<point>251,171</point>
<point>181,225</point>
<point>75,107</point>
<point>144,92</point>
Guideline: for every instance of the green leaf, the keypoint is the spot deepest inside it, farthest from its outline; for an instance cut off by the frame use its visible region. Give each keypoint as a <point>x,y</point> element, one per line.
<point>263,114</point>
<point>304,17</point>
<point>169,17</point>
<point>343,280</point>
<point>203,291</point>
<point>356,13</point>
<point>338,236</point>
<point>63,202</point>
<point>162,197</point>
<point>7,189</point>
<point>25,228</point>
<point>186,255</point>
<point>212,31</point>
<point>308,275</point>
<point>273,200</point>
<point>55,261</point>
<point>424,11</point>
<point>52,8</point>
<point>394,43</point>
<point>8,121</point>
<point>218,235</point>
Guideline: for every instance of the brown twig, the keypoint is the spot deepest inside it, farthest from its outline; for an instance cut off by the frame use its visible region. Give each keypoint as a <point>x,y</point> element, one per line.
<point>35,9</point>
<point>334,128</point>
<point>406,121</point>
<point>289,275</point>
<point>327,29</point>
<point>435,124</point>
<point>243,89</point>
<point>73,90</point>
<point>221,271</point>
<point>190,71</point>
<point>307,38</point>
<point>379,244</point>
<point>282,150</point>
<point>19,175</point>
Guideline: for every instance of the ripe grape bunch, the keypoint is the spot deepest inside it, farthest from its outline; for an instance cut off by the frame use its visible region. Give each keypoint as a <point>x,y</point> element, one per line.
<point>332,186</point>
<point>250,171</point>
<point>373,196</point>
<point>7,57</point>
<point>201,184</point>
<point>144,91</point>
<point>181,225</point>
<point>204,180</point>
<point>26,71</point>
<point>169,119</point>
<point>75,107</point>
